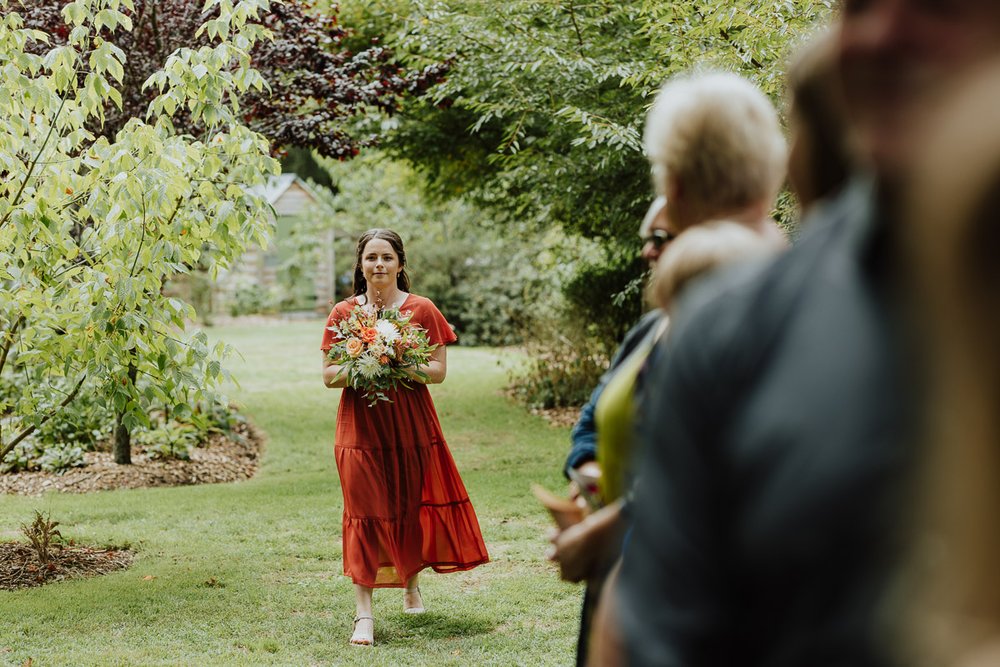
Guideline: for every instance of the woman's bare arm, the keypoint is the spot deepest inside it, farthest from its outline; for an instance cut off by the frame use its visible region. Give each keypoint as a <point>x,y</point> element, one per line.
<point>436,369</point>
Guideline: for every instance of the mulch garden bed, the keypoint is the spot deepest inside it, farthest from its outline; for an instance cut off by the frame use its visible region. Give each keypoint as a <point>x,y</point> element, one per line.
<point>20,567</point>
<point>221,460</point>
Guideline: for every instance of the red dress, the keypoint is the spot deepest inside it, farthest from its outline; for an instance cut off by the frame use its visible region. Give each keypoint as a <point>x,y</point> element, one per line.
<point>405,507</point>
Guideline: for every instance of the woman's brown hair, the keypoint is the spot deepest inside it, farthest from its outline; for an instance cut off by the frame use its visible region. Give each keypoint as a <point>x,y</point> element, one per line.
<point>402,280</point>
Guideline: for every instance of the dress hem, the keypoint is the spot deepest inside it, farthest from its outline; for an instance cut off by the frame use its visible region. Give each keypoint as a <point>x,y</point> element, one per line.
<point>446,568</point>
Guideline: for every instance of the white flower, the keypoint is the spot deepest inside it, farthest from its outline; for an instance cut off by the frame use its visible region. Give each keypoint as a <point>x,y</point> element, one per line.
<point>378,348</point>
<point>368,366</point>
<point>388,331</point>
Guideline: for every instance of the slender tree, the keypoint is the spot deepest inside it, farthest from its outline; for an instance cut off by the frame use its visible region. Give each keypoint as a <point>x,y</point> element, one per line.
<point>92,224</point>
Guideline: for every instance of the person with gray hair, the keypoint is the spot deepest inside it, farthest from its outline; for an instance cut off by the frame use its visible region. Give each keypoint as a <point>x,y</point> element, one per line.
<point>715,145</point>
<point>717,151</point>
<point>769,512</point>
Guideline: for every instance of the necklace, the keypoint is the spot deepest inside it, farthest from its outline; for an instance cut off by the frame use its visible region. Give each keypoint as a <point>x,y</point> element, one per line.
<point>400,297</point>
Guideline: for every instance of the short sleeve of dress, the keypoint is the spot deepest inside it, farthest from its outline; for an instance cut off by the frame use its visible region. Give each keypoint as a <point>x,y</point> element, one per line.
<point>338,313</point>
<point>427,315</point>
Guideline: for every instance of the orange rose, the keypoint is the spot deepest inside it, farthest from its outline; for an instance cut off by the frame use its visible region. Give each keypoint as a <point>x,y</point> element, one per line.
<point>369,334</point>
<point>354,346</point>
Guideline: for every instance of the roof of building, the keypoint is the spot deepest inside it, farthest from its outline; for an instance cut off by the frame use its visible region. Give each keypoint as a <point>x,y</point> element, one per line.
<point>277,186</point>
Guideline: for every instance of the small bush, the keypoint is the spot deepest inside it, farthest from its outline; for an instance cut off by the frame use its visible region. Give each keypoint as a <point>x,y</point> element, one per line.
<point>30,455</point>
<point>84,422</point>
<point>607,294</point>
<point>23,458</point>
<point>169,441</point>
<point>250,298</point>
<point>60,458</point>
<point>563,367</point>
<point>219,417</point>
<point>571,345</point>
<point>43,535</point>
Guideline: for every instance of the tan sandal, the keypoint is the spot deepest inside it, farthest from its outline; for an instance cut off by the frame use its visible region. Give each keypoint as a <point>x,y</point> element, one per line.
<point>361,639</point>
<point>419,607</point>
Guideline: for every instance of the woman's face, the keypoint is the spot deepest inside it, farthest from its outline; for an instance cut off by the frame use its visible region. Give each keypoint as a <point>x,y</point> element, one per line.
<point>380,264</point>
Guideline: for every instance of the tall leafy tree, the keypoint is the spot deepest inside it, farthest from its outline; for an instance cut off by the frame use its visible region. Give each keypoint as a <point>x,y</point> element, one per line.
<point>317,86</point>
<point>91,224</point>
<point>541,116</point>
<point>542,111</point>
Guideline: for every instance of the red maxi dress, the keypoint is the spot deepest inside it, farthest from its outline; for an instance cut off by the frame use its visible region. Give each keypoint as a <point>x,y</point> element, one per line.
<point>405,506</point>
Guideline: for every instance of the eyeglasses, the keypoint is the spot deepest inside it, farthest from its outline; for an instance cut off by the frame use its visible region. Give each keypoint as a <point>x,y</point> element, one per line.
<point>659,238</point>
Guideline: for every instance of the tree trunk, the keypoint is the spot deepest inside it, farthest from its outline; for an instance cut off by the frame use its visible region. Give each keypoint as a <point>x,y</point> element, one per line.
<point>123,437</point>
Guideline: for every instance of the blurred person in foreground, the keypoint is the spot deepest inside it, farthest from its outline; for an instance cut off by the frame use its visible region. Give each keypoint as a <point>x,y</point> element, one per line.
<point>818,153</point>
<point>717,152</point>
<point>767,516</point>
<point>952,202</point>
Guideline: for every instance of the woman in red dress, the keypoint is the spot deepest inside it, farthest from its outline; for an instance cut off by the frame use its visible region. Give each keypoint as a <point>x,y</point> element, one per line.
<point>405,507</point>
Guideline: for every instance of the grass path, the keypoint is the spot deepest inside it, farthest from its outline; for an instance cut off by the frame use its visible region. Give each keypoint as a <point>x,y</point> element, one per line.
<point>250,573</point>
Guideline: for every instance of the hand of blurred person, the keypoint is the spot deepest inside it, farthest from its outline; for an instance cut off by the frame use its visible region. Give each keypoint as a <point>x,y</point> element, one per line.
<point>584,550</point>
<point>588,470</point>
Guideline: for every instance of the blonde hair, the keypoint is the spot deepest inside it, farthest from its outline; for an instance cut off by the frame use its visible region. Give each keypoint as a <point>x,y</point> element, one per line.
<point>700,249</point>
<point>719,136</point>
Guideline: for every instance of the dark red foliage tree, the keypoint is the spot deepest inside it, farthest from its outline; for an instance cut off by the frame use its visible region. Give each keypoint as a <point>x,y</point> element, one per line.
<point>317,86</point>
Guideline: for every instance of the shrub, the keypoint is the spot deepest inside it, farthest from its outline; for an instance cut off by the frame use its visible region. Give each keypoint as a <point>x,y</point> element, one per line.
<point>23,458</point>
<point>571,345</point>
<point>218,417</point>
<point>60,458</point>
<point>84,422</point>
<point>564,364</point>
<point>250,298</point>
<point>30,455</point>
<point>606,295</point>
<point>173,440</point>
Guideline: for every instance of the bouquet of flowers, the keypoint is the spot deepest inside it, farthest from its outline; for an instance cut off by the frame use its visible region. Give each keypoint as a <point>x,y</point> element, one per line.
<point>379,350</point>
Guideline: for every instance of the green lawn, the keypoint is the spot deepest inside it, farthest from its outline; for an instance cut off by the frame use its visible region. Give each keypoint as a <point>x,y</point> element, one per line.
<point>250,573</point>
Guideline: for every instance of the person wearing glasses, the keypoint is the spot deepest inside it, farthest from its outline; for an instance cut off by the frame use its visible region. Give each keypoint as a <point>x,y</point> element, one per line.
<point>786,407</point>
<point>717,153</point>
